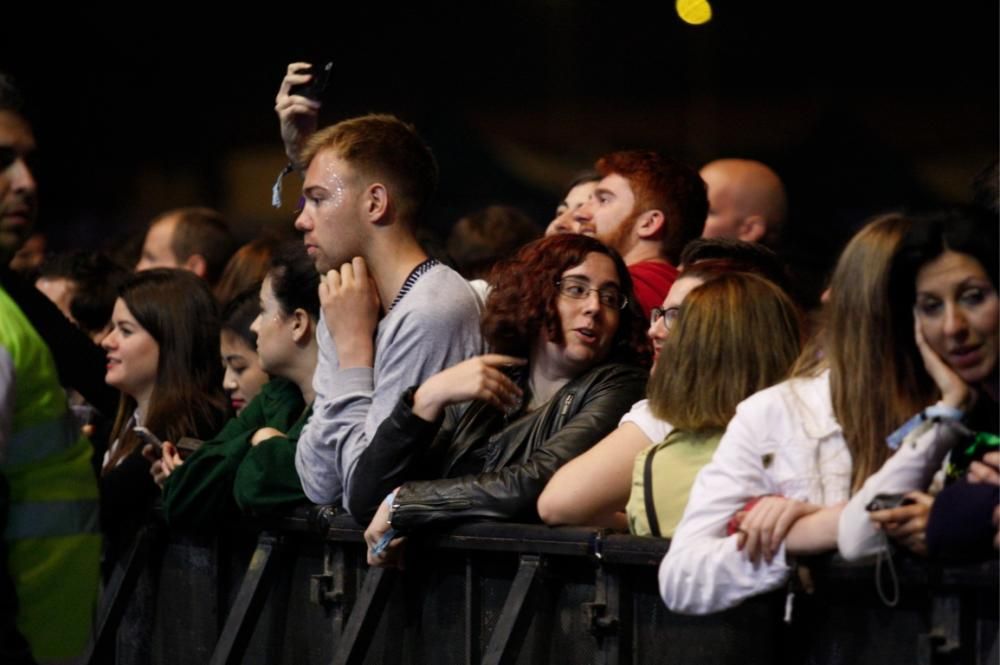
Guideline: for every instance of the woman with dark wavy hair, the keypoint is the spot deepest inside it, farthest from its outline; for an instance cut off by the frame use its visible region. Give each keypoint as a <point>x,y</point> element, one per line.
<point>163,355</point>
<point>480,439</point>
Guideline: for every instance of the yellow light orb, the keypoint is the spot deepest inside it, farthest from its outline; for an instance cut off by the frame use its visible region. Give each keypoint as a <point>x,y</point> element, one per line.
<point>694,12</point>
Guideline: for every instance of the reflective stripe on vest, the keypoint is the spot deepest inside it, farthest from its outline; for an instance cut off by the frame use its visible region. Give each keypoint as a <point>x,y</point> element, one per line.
<point>35,443</point>
<point>47,519</point>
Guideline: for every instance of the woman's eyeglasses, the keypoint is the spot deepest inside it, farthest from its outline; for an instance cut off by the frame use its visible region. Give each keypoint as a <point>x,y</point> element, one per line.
<point>669,316</point>
<point>579,289</point>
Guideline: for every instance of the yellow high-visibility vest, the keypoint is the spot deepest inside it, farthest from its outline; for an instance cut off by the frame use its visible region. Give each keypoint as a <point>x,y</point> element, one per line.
<point>52,530</point>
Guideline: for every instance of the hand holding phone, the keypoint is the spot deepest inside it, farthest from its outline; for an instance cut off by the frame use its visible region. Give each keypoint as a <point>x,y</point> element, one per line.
<point>316,85</point>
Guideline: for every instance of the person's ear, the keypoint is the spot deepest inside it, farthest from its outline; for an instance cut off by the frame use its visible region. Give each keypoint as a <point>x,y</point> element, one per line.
<point>197,264</point>
<point>752,229</point>
<point>376,203</point>
<point>301,326</point>
<point>650,224</point>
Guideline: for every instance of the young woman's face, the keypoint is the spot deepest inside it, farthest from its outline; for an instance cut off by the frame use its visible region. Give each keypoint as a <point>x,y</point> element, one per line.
<point>275,341</point>
<point>587,315</point>
<point>133,355</point>
<point>244,376</point>
<point>660,328</point>
<point>957,309</point>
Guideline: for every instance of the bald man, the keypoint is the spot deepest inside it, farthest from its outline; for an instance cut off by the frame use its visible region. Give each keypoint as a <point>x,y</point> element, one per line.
<point>746,201</point>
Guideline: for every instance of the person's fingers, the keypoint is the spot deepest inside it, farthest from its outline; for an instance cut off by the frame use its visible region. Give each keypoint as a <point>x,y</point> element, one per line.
<point>372,536</point>
<point>294,77</point>
<point>750,531</point>
<point>983,473</point>
<point>360,270</point>
<point>917,525</point>
<point>890,515</point>
<point>751,548</point>
<point>490,390</point>
<point>921,498</point>
<point>753,525</point>
<point>500,360</point>
<point>332,281</point>
<point>170,456</point>
<point>296,66</point>
<point>786,518</point>
<point>503,386</point>
<point>347,276</point>
<point>773,508</point>
<point>292,110</point>
<point>392,557</point>
<point>299,105</point>
<point>918,335</point>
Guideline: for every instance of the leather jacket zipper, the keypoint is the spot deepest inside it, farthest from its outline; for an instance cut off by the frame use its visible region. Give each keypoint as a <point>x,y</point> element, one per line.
<point>564,408</point>
<point>453,504</point>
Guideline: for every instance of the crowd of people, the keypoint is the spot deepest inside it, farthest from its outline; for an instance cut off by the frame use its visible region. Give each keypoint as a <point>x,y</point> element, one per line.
<point>639,365</point>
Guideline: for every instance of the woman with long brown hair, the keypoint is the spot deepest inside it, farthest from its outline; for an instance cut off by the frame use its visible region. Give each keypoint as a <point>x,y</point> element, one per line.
<point>794,453</point>
<point>946,271</point>
<point>163,355</point>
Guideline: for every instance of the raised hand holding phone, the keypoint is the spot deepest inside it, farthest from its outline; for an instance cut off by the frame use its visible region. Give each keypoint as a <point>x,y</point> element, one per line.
<point>297,108</point>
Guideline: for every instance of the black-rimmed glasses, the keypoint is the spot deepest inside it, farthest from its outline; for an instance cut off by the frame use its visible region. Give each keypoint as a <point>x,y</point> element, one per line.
<point>669,316</point>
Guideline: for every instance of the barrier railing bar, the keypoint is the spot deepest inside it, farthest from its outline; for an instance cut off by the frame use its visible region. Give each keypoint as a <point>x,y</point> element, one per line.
<point>118,594</point>
<point>515,615</point>
<point>364,617</point>
<point>249,601</point>
<point>472,616</point>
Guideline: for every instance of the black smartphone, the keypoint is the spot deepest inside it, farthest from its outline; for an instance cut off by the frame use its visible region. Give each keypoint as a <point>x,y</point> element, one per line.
<point>887,501</point>
<point>314,88</point>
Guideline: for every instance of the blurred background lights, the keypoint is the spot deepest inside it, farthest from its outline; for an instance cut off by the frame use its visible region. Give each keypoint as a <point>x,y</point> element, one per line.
<point>694,12</point>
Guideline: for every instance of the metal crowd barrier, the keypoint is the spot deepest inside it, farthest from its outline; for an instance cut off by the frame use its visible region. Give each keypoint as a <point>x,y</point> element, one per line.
<point>299,592</point>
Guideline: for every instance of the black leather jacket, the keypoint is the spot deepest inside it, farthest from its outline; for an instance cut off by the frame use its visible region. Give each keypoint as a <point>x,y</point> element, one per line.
<point>517,458</point>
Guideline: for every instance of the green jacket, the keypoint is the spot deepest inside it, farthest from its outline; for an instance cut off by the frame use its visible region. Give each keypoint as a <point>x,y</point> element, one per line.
<point>227,473</point>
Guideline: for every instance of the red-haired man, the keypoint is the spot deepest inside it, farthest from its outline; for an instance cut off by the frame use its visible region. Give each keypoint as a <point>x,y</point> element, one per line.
<point>647,207</point>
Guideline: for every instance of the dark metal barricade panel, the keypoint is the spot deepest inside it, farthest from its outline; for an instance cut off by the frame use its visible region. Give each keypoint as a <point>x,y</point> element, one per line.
<point>524,594</point>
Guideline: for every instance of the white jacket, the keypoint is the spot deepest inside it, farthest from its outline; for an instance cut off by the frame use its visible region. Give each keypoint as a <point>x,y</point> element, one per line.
<point>782,440</point>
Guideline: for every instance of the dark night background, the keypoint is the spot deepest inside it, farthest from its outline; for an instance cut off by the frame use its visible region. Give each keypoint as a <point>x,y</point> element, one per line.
<point>860,107</point>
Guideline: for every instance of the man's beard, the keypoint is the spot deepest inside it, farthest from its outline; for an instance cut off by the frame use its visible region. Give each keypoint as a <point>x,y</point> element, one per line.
<point>620,239</point>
